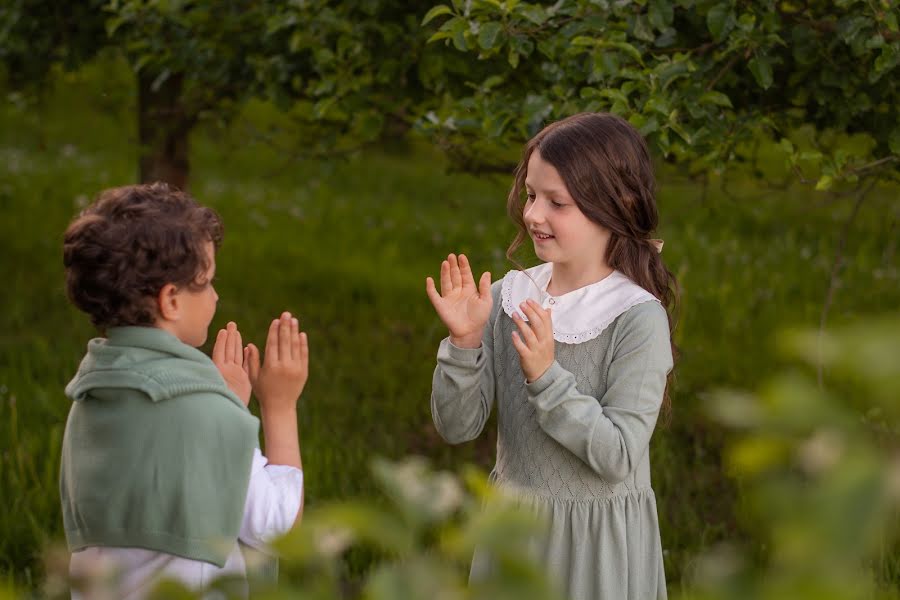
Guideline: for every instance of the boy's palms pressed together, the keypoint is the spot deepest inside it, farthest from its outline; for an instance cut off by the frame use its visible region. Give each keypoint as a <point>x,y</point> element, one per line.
<point>277,383</point>
<point>232,360</point>
<point>281,378</point>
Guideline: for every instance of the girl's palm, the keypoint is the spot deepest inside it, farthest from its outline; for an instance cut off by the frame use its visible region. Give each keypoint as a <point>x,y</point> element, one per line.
<point>462,307</point>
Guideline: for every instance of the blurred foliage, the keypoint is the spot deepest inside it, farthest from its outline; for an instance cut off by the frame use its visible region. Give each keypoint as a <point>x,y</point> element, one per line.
<point>821,473</point>
<point>345,72</point>
<point>704,80</point>
<point>699,78</point>
<point>425,533</point>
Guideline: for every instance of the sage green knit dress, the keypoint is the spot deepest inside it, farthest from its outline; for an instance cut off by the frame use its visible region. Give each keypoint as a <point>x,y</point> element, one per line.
<point>574,444</point>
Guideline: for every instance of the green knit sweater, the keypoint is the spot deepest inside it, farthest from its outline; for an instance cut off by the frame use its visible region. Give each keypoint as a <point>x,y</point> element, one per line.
<point>157,450</point>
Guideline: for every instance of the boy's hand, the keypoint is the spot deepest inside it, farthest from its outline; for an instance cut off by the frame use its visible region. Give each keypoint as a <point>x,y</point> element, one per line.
<point>534,340</point>
<point>462,307</point>
<point>282,377</point>
<point>231,358</point>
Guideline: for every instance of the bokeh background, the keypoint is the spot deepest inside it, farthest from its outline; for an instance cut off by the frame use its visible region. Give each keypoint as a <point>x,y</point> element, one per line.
<point>350,148</point>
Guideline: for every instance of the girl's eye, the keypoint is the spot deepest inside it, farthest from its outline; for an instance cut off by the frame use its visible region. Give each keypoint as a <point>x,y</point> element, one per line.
<point>556,204</point>
<point>530,197</point>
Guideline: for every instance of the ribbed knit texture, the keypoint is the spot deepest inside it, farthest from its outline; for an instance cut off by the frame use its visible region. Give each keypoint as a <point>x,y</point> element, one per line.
<point>573,444</point>
<point>157,450</point>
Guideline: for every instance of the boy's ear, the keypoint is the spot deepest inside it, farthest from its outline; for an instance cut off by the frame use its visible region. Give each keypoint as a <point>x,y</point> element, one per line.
<point>168,303</point>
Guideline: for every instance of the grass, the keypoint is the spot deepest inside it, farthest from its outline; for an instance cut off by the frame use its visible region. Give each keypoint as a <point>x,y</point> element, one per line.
<point>347,245</point>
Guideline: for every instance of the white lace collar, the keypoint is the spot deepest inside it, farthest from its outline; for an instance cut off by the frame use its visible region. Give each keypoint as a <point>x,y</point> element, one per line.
<point>579,315</point>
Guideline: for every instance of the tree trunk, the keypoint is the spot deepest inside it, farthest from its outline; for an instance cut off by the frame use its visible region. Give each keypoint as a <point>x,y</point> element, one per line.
<point>163,131</point>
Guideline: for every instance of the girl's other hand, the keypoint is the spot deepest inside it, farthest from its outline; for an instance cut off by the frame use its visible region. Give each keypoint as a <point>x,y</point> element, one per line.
<point>230,356</point>
<point>534,340</point>
<point>280,380</point>
<point>462,307</point>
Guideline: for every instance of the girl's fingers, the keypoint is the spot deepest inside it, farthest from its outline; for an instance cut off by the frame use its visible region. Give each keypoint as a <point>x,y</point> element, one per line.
<point>246,362</point>
<point>446,285</point>
<point>432,292</point>
<point>295,339</point>
<point>218,353</point>
<point>455,277</point>
<point>465,271</point>
<point>284,337</point>
<point>525,330</point>
<point>272,341</point>
<point>484,286</point>
<point>519,345</point>
<point>539,318</point>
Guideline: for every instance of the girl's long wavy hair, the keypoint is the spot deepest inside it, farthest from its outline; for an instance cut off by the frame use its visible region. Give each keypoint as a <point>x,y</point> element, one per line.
<point>607,170</point>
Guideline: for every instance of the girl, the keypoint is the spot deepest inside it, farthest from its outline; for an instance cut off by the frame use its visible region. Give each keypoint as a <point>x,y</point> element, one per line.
<point>575,352</point>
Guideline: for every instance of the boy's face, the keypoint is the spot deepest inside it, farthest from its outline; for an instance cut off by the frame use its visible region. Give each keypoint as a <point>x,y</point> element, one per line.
<point>198,306</point>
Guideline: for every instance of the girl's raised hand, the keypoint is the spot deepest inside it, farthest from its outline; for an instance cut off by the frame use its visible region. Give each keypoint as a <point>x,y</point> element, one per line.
<point>534,340</point>
<point>230,357</point>
<point>462,307</point>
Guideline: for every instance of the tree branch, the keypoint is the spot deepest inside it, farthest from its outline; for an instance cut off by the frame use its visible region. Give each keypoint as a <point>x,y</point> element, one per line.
<point>835,273</point>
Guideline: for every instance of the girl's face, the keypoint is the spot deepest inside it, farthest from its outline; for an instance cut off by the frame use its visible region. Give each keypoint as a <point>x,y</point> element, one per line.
<point>561,233</point>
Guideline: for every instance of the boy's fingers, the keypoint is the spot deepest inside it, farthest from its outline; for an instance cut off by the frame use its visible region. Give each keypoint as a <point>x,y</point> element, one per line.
<point>272,341</point>
<point>304,350</point>
<point>253,362</point>
<point>238,347</point>
<point>295,339</point>
<point>229,341</point>
<point>284,337</point>
<point>218,354</point>
<point>246,364</point>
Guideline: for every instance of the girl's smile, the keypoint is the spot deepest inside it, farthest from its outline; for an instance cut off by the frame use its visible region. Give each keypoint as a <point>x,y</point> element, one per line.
<point>560,231</point>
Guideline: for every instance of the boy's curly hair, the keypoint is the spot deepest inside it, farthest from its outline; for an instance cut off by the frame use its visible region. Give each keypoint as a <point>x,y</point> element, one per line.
<point>129,243</point>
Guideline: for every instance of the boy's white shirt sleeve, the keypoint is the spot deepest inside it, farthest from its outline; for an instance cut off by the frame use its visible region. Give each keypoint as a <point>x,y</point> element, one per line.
<point>274,498</point>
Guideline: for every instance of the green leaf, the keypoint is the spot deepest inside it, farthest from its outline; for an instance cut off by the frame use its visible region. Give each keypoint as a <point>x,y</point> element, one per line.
<point>825,182</point>
<point>513,58</point>
<point>625,47</point>
<point>761,68</point>
<point>439,35</point>
<point>894,141</point>
<point>458,27</point>
<point>487,36</point>
<point>583,40</point>
<point>660,13</point>
<point>787,146</point>
<point>720,20</point>
<point>717,98</point>
<point>440,9</point>
<point>534,13</point>
<point>642,30</point>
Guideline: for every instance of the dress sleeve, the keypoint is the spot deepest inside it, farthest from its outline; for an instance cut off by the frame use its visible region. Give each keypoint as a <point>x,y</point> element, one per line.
<point>611,434</point>
<point>462,388</point>
<point>274,498</point>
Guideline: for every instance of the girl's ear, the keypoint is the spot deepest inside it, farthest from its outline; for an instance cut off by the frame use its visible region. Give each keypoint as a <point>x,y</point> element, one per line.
<point>168,304</point>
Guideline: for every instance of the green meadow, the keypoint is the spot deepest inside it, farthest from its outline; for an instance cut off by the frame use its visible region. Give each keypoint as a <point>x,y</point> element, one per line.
<point>346,245</point>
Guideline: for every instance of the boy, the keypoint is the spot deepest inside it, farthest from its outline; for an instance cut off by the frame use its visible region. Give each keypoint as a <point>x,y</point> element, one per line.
<point>161,472</point>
